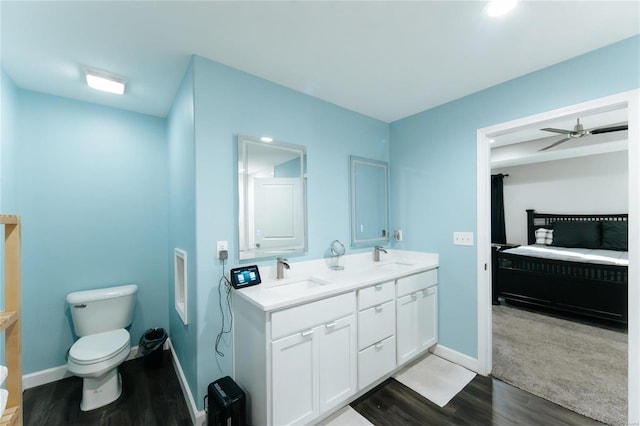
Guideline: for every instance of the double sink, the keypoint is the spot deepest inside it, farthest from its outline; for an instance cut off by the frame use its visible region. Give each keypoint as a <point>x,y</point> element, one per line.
<point>314,279</point>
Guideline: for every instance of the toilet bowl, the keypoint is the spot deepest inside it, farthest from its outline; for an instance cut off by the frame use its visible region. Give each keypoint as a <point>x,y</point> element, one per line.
<point>95,358</point>
<point>99,317</point>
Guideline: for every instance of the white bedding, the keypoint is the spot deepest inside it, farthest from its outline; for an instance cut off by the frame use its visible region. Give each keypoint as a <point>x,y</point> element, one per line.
<point>603,257</point>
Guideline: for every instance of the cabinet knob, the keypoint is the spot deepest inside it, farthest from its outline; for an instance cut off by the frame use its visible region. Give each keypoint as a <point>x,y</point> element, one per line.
<point>378,308</point>
<point>414,296</point>
<point>378,287</point>
<point>331,324</point>
<point>379,346</point>
<point>306,333</point>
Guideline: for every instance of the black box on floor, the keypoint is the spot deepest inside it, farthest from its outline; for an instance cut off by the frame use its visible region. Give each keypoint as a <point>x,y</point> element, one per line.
<point>227,403</point>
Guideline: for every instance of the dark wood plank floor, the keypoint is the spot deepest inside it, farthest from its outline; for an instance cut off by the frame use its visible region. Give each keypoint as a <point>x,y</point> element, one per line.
<point>484,401</point>
<point>151,396</point>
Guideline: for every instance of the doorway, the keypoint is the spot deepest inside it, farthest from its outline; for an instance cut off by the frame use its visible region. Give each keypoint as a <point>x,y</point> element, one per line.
<point>629,101</point>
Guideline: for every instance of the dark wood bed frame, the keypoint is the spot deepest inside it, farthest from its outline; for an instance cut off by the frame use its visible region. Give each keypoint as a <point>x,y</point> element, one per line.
<point>583,289</point>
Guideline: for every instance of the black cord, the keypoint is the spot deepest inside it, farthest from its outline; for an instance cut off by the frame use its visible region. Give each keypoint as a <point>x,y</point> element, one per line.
<point>224,282</point>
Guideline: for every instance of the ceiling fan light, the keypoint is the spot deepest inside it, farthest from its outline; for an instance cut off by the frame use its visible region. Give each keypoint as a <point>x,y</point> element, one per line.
<point>105,82</point>
<point>496,8</point>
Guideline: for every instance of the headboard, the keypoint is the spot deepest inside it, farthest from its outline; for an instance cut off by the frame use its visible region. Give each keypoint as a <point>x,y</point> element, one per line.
<point>542,220</point>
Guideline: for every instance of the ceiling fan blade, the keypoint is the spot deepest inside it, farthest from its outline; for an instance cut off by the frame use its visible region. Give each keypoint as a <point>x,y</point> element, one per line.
<point>609,129</point>
<point>551,129</point>
<point>555,144</point>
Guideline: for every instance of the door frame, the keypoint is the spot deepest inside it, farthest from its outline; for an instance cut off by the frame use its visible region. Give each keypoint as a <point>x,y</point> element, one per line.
<point>629,100</point>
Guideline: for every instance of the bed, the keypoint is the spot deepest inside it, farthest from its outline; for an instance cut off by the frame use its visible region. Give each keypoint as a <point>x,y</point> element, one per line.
<point>574,264</point>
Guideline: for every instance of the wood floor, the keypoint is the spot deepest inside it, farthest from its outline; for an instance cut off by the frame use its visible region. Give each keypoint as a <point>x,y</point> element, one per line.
<point>484,401</point>
<point>151,396</point>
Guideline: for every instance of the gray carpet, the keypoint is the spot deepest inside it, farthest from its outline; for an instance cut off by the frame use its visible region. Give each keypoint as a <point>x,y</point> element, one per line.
<point>577,366</point>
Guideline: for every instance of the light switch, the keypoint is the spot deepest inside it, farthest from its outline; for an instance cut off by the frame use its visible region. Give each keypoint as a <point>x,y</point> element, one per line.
<point>463,238</point>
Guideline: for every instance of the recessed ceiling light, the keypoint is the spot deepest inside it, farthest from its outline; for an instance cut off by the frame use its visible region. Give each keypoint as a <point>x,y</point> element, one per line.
<point>266,139</point>
<point>497,8</point>
<point>106,82</point>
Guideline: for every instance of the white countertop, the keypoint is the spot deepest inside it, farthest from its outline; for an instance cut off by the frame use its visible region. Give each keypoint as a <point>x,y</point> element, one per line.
<point>314,279</point>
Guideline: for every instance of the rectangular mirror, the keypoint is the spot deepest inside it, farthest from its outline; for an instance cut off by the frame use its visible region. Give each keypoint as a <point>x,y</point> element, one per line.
<point>272,198</point>
<point>369,202</point>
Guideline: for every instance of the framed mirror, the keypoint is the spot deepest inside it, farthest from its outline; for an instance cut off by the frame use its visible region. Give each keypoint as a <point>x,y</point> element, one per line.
<point>369,202</point>
<point>272,214</point>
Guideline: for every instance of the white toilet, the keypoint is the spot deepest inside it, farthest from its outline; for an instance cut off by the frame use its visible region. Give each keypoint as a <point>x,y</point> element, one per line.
<point>99,319</point>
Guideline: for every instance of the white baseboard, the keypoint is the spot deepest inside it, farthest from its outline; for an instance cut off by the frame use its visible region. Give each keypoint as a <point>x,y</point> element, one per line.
<point>45,376</point>
<point>198,418</point>
<point>457,358</point>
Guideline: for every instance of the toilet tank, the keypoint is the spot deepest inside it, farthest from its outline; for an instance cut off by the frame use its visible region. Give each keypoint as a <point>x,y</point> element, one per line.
<point>103,309</point>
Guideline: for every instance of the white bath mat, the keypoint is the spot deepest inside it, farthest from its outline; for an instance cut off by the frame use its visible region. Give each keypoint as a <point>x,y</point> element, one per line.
<point>346,417</point>
<point>436,379</point>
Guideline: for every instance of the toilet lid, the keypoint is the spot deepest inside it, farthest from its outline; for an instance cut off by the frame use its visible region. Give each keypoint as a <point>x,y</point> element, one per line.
<point>98,347</point>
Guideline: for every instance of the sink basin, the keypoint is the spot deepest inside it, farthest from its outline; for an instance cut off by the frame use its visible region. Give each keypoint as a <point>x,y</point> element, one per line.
<point>394,266</point>
<point>299,285</point>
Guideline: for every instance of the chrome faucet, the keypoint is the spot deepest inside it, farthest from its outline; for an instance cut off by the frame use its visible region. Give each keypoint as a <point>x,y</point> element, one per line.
<point>282,265</point>
<point>376,253</point>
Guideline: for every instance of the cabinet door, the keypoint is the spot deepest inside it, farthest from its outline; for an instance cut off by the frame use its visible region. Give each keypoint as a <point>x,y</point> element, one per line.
<point>338,361</point>
<point>407,323</point>
<point>294,381</point>
<point>427,317</point>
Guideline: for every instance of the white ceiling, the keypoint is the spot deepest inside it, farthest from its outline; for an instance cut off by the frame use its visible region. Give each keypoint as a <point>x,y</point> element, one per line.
<point>386,60</point>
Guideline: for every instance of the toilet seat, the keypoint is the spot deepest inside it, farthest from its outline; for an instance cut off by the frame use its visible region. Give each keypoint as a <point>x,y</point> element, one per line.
<point>99,347</point>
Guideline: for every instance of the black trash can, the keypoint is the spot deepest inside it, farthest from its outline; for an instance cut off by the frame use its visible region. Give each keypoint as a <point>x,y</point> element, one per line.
<point>150,346</point>
<point>227,403</point>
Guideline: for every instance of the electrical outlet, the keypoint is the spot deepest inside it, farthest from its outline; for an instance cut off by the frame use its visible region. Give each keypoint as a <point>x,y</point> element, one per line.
<point>463,238</point>
<point>221,245</point>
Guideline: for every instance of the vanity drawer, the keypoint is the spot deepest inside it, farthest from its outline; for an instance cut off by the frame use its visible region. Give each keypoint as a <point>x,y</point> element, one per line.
<point>416,282</point>
<point>376,323</point>
<point>375,295</point>
<point>376,361</point>
<point>309,315</point>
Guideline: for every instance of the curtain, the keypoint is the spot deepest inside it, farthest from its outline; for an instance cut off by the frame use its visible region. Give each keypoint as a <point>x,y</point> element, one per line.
<point>498,231</point>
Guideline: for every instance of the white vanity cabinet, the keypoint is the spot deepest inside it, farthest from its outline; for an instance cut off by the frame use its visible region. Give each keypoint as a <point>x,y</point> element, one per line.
<point>417,314</point>
<point>308,365</point>
<point>376,332</point>
<point>300,356</point>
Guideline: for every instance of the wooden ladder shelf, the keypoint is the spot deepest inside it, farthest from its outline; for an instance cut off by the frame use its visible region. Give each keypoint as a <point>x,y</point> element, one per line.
<point>10,319</point>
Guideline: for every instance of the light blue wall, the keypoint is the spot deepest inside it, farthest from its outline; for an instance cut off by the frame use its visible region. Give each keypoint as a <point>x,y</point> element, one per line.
<point>229,102</point>
<point>91,186</point>
<point>8,143</point>
<point>182,222</point>
<point>433,167</point>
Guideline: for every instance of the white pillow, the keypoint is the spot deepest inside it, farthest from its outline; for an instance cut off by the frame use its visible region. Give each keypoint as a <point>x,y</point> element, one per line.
<point>544,236</point>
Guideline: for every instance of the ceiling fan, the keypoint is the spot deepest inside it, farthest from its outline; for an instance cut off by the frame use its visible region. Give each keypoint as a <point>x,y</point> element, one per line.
<point>579,132</point>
